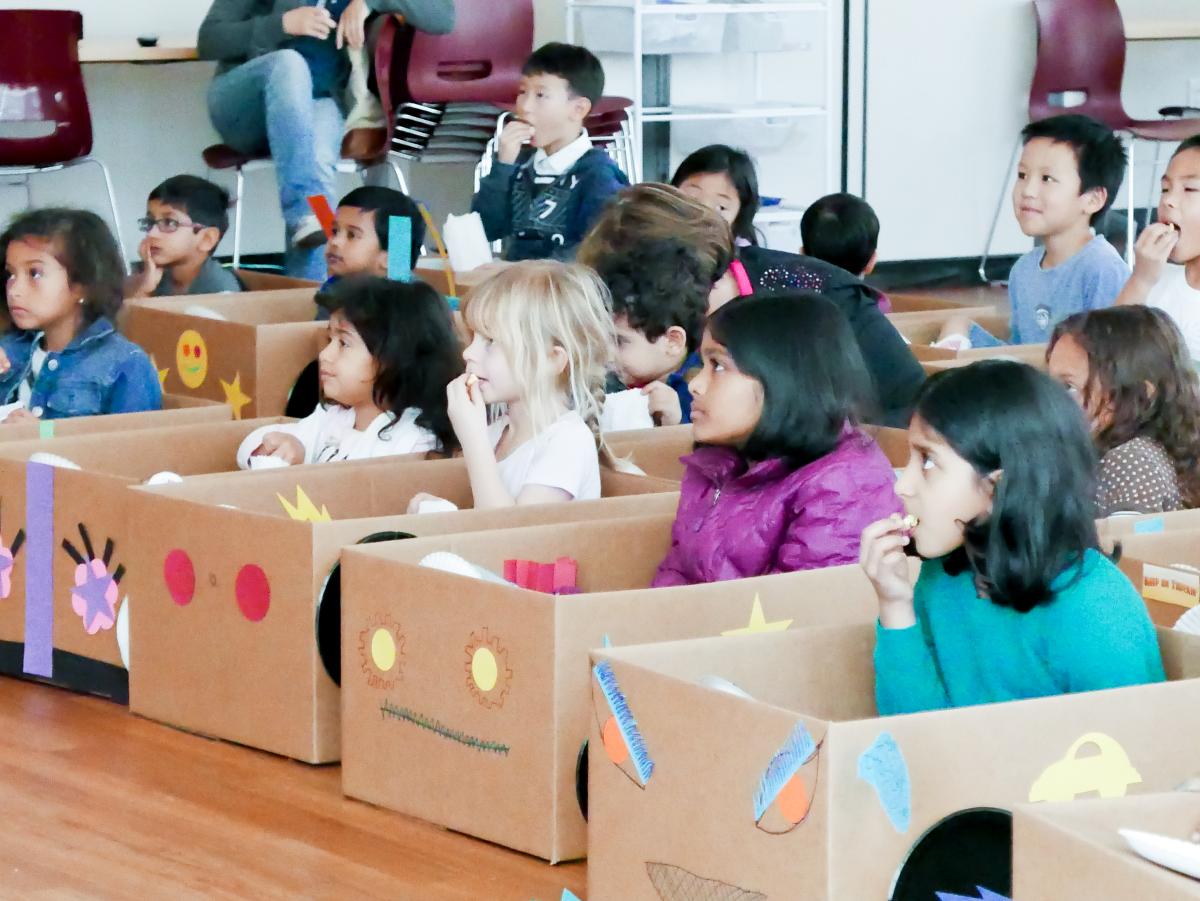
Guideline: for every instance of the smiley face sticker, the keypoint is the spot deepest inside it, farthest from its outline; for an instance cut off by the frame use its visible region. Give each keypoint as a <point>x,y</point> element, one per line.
<point>191,359</point>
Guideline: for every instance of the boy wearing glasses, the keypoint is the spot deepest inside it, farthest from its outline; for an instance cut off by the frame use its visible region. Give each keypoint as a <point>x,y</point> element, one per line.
<point>185,219</point>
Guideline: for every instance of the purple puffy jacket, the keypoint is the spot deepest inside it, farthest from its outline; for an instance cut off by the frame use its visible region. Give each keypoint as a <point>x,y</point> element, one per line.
<point>734,522</point>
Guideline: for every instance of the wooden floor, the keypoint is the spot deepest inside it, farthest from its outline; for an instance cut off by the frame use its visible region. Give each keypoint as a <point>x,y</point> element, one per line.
<point>98,803</point>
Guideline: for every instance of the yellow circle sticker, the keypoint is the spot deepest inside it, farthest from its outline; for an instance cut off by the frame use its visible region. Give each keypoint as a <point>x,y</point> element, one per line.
<point>191,359</point>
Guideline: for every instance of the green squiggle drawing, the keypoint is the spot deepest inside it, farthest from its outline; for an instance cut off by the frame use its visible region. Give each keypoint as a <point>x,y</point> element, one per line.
<point>389,710</point>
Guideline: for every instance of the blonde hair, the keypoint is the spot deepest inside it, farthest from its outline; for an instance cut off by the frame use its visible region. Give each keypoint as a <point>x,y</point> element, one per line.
<point>532,307</point>
<point>650,212</point>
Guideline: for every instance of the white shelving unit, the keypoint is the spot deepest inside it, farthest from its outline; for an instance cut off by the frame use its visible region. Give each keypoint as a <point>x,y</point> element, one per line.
<point>754,38</point>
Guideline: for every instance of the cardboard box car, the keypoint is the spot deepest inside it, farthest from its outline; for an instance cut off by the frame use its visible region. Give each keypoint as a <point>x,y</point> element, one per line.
<point>239,636</point>
<point>1063,851</point>
<point>250,357</point>
<point>904,302</point>
<point>177,409</point>
<point>262,280</point>
<point>432,271</point>
<point>796,788</point>
<point>487,685</point>
<point>923,329</point>
<point>1030,354</point>
<point>65,554</point>
<point>657,451</point>
<point>1165,568</point>
<point>1121,525</point>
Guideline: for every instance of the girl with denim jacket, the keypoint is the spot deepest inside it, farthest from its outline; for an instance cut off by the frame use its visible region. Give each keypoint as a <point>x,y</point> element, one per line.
<point>62,357</point>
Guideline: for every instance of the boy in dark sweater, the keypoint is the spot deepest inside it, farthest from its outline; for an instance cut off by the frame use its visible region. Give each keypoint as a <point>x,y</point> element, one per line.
<point>543,198</point>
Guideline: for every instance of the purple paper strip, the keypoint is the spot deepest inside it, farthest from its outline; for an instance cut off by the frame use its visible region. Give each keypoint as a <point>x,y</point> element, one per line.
<point>39,569</point>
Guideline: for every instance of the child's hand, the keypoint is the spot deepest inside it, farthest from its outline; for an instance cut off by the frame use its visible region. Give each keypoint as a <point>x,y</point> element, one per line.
<point>282,445</point>
<point>1151,252</point>
<point>5,365</point>
<point>16,417</point>
<point>514,135</point>
<point>664,403</point>
<point>881,554</point>
<point>308,22</point>
<point>151,276</point>
<point>351,27</point>
<point>468,413</point>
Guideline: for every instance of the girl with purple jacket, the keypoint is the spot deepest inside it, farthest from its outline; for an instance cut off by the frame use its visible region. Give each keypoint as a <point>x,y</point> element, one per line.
<point>782,478</point>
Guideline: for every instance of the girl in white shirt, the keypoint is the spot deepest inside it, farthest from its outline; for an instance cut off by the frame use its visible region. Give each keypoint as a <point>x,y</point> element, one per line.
<point>391,351</point>
<point>541,338</point>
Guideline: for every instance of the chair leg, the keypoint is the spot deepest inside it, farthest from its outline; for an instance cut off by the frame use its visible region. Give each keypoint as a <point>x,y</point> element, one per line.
<point>987,247</point>
<point>1151,202</point>
<point>398,172</point>
<point>1130,221</point>
<point>28,192</point>
<point>112,205</point>
<point>237,218</point>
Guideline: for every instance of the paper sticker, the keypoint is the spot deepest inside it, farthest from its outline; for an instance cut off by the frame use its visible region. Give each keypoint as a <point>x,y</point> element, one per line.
<point>758,622</point>
<point>39,570</point>
<point>984,895</point>
<point>162,373</point>
<point>253,592</point>
<point>304,510</point>
<point>677,884</point>
<point>569,895</point>
<point>1170,585</point>
<point>123,631</point>
<point>399,258</point>
<point>388,710</point>
<point>45,429</point>
<point>1148,526</point>
<point>320,207</point>
<point>784,796</point>
<point>180,576</point>
<point>488,673</point>
<point>235,396</point>
<point>191,358</point>
<point>95,592</point>
<point>1109,772</point>
<point>883,767</point>
<point>622,739</point>
<point>8,556</point>
<point>381,651</point>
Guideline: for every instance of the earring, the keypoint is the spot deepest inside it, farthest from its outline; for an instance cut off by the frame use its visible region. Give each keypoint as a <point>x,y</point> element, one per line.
<point>81,301</point>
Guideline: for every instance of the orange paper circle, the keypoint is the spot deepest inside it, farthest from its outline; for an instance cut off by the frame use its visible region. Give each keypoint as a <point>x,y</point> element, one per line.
<point>793,800</point>
<point>614,742</point>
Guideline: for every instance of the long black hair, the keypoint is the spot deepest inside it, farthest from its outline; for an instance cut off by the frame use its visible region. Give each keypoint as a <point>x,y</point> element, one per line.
<point>801,349</point>
<point>1000,415</point>
<point>738,167</point>
<point>406,327</point>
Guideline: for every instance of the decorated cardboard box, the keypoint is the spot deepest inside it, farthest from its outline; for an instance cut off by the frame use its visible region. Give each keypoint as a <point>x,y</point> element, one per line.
<point>1121,525</point>
<point>759,765</point>
<point>1165,568</point>
<point>246,350</point>
<point>1030,354</point>
<point>432,271</point>
<point>237,635</point>
<point>65,554</point>
<point>177,409</point>
<point>904,302</point>
<point>1067,851</point>
<point>260,280</point>
<point>922,329</point>
<point>487,685</point>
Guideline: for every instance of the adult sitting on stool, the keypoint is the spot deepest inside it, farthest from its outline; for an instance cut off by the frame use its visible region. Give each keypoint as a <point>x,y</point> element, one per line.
<point>279,89</point>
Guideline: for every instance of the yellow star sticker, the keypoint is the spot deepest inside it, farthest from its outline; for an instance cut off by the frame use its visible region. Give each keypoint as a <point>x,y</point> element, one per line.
<point>758,622</point>
<point>235,396</point>
<point>162,373</point>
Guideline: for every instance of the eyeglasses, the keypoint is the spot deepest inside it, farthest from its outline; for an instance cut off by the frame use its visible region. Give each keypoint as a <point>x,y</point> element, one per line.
<point>167,226</point>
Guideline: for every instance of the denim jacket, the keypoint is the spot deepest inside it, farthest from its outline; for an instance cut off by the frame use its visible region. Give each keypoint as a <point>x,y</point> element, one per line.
<point>98,372</point>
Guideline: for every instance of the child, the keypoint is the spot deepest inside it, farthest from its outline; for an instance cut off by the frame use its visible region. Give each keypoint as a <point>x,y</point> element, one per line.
<point>843,230</point>
<point>1067,178</point>
<point>1175,239</point>
<point>542,335</point>
<point>783,478</point>
<point>544,200</point>
<point>63,280</point>
<point>723,179</point>
<point>659,297</point>
<point>392,350</point>
<point>1014,599</point>
<point>186,217</point>
<point>1128,368</point>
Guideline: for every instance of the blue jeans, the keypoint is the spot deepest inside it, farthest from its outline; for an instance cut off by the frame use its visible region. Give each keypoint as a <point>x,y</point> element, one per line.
<point>266,105</point>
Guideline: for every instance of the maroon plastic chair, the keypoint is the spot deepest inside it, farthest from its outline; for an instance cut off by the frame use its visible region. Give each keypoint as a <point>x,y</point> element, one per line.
<point>1080,67</point>
<point>43,104</point>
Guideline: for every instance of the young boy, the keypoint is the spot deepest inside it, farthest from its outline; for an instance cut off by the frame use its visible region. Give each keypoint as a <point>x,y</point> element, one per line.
<point>1174,238</point>
<point>1070,170</point>
<point>660,297</point>
<point>544,198</point>
<point>843,230</point>
<point>185,219</point>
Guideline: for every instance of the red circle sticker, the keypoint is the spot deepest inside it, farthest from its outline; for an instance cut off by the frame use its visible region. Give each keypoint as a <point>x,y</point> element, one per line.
<point>253,592</point>
<point>180,577</point>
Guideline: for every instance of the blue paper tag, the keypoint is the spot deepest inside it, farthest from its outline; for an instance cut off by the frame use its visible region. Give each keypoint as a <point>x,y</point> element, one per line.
<point>399,248</point>
<point>1148,526</point>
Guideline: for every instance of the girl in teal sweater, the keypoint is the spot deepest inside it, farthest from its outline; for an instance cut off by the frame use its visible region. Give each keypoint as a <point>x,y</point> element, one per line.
<point>1015,599</point>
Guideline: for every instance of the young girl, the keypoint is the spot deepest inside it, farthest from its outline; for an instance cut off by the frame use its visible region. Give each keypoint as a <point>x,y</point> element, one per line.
<point>782,479</point>
<point>541,338</point>
<point>63,280</point>
<point>392,349</point>
<point>723,179</point>
<point>1129,370</point>
<point>1014,599</point>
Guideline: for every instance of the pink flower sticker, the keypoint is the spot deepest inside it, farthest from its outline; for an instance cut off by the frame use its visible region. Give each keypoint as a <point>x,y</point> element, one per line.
<point>94,597</point>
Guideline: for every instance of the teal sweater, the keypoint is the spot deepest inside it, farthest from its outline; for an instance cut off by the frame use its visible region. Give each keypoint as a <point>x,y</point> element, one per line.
<point>1095,633</point>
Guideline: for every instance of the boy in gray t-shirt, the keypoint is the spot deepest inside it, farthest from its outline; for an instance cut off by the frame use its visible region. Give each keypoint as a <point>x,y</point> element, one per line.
<point>1070,170</point>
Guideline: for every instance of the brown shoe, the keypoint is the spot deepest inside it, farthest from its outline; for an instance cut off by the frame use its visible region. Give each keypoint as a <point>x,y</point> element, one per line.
<point>364,143</point>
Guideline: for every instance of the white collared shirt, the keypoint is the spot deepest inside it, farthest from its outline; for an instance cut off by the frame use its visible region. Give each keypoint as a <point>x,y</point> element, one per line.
<point>554,165</point>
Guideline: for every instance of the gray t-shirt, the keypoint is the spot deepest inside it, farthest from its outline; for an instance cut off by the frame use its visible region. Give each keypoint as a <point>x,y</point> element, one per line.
<point>213,278</point>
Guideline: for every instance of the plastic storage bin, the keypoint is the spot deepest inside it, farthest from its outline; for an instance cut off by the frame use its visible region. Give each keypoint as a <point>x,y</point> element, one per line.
<point>756,135</point>
<point>610,30</point>
<point>774,31</point>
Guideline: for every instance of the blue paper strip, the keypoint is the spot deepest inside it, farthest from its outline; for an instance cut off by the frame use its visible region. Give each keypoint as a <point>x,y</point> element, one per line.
<point>882,766</point>
<point>1148,526</point>
<point>39,570</point>
<point>399,248</point>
